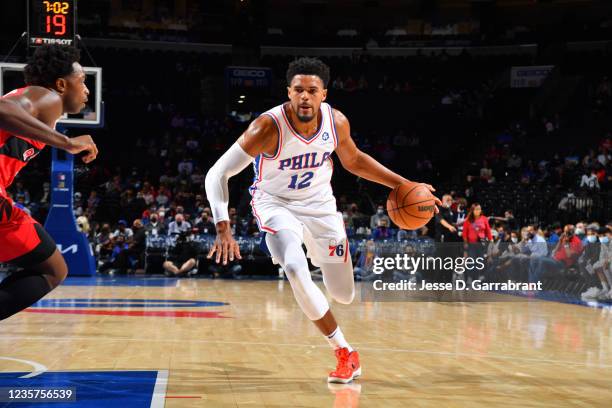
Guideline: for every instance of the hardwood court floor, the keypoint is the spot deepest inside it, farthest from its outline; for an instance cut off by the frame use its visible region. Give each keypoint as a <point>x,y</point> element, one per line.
<point>267,354</point>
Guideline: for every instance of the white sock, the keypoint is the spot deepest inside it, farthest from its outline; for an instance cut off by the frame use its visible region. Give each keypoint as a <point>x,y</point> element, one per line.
<point>605,286</point>
<point>337,340</point>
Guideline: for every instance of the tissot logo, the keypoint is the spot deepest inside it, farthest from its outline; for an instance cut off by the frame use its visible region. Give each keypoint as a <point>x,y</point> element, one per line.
<point>59,41</point>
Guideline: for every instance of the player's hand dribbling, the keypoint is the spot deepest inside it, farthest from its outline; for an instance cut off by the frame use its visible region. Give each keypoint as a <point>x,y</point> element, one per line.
<point>83,144</point>
<point>225,246</point>
<point>437,200</point>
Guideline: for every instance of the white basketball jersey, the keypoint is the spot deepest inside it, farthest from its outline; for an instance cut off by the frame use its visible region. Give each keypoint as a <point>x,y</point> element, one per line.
<point>302,167</point>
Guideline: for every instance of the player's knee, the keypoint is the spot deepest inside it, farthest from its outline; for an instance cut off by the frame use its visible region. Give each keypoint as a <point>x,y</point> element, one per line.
<point>292,270</point>
<point>296,278</point>
<point>59,273</point>
<point>345,297</point>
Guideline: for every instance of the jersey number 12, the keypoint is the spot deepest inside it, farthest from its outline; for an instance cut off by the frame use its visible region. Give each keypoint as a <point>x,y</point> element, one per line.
<point>304,180</point>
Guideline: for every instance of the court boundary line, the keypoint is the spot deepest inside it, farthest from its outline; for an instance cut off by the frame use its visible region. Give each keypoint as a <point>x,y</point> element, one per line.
<point>38,368</point>
<point>374,349</point>
<point>158,399</point>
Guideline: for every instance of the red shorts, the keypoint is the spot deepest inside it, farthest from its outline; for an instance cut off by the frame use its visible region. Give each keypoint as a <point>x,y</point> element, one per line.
<point>22,240</point>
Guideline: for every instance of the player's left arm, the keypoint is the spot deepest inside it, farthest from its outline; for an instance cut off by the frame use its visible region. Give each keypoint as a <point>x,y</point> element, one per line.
<point>362,164</point>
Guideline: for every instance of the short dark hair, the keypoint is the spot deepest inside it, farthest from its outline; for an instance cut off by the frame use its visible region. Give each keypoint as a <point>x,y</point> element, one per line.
<point>49,63</point>
<point>308,66</point>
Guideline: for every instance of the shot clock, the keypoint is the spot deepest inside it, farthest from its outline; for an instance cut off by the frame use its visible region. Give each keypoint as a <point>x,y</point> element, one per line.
<point>51,22</point>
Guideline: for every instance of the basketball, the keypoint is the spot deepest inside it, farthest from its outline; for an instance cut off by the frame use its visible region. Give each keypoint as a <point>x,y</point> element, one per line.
<point>410,206</point>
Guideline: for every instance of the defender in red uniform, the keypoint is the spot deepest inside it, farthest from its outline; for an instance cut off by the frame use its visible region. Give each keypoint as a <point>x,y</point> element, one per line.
<point>55,85</point>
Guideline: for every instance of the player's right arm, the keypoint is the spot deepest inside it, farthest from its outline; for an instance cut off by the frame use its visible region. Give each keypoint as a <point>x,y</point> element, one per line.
<point>32,114</point>
<point>260,137</point>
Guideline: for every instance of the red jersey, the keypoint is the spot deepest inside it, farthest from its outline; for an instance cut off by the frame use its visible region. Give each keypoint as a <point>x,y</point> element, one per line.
<point>15,152</point>
<point>477,231</point>
<point>575,249</point>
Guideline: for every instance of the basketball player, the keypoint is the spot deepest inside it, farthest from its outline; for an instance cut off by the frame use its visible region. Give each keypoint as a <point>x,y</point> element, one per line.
<point>55,85</point>
<point>290,147</point>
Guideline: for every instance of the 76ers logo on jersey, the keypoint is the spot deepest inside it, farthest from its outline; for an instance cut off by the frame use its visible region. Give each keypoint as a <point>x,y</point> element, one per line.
<point>29,154</point>
<point>335,249</point>
<point>325,136</point>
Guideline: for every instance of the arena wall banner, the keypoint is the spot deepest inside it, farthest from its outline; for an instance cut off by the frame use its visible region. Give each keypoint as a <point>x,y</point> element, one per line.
<point>61,223</point>
<point>248,77</point>
<point>530,76</point>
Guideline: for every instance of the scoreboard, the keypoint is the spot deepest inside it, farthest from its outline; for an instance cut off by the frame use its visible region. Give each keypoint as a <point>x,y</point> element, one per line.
<point>51,22</point>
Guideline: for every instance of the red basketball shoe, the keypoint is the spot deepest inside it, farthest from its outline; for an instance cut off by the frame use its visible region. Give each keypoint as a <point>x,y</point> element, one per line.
<point>348,367</point>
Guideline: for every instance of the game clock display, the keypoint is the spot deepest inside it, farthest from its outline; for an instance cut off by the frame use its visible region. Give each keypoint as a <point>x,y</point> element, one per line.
<point>51,22</point>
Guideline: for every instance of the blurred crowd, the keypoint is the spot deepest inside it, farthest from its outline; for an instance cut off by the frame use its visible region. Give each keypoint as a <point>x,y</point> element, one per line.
<point>439,128</point>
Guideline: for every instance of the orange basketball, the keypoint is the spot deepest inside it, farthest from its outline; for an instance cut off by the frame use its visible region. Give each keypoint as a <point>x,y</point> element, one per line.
<point>410,206</point>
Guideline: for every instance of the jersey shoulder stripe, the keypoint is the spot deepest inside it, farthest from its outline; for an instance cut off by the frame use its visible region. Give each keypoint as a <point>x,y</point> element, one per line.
<point>333,125</point>
<point>280,137</point>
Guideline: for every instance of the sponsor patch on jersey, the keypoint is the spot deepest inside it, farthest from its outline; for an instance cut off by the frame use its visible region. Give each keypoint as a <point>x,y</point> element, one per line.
<point>29,154</point>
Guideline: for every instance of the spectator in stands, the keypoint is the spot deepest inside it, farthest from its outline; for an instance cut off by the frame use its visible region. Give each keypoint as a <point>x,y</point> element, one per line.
<point>603,157</point>
<point>486,173</point>
<point>20,190</point>
<point>178,225</point>
<point>93,201</point>
<point>590,181</point>
<point>103,242</point>
<point>445,230</point>
<point>378,217</point>
<point>536,244</point>
<point>476,232</point>
<point>155,227</point>
<point>508,219</point>
<point>148,193</point>
<point>356,219</point>
<point>123,231</point>
<point>253,228</point>
<point>601,266</point>
<point>84,227</point>
<point>568,202</point>
<point>198,176</point>
<point>204,222</point>
<point>565,255</point>
<point>514,162</point>
<point>119,245</point>
<point>235,225</point>
<point>476,228</point>
<point>182,258</point>
<point>337,83</point>
<point>495,249</point>
<point>131,255</point>
<point>513,262</point>
<point>185,167</point>
<point>382,230</point>
<point>555,233</point>
<point>460,214</point>
<point>580,231</point>
<point>163,196</point>
<point>139,237</point>
<point>365,262</point>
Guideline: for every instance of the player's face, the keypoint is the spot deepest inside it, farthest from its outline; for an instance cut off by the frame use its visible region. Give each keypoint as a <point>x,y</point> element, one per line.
<point>74,92</point>
<point>306,93</point>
